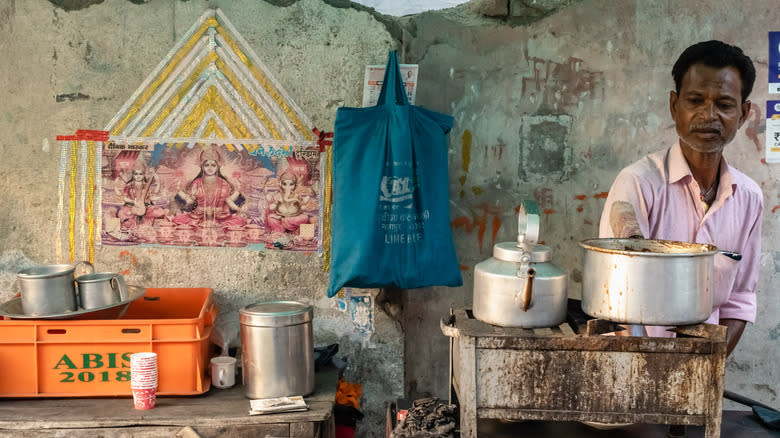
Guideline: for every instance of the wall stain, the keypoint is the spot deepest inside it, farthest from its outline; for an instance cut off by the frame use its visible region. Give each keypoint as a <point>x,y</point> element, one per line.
<point>466,150</point>
<point>765,388</point>
<point>7,11</point>
<point>70,97</point>
<point>602,195</point>
<point>776,207</point>
<point>479,221</point>
<point>476,190</point>
<point>75,5</point>
<point>774,334</point>
<point>133,261</point>
<point>754,124</point>
<point>581,197</point>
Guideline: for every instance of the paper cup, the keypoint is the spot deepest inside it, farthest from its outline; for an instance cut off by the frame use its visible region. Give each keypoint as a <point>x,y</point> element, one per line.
<point>144,398</point>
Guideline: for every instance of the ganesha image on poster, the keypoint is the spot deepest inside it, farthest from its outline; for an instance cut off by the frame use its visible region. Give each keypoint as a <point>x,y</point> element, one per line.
<point>211,195</point>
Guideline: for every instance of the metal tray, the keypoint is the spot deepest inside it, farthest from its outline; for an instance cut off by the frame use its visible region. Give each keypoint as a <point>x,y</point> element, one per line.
<point>13,308</point>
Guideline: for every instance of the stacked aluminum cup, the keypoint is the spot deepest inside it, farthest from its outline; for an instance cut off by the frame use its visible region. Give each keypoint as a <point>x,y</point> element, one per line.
<point>143,379</point>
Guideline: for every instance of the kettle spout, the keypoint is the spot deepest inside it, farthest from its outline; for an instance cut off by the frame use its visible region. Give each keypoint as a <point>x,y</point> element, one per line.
<point>524,296</point>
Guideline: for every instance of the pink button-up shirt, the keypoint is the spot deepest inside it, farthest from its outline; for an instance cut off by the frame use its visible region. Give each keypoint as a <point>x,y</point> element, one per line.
<point>666,200</point>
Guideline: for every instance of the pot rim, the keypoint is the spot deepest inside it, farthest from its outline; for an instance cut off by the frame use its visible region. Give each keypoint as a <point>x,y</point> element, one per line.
<point>679,249</point>
<point>46,271</point>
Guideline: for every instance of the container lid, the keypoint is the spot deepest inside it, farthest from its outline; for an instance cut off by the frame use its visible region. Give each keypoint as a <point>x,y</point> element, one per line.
<point>512,252</point>
<point>275,314</point>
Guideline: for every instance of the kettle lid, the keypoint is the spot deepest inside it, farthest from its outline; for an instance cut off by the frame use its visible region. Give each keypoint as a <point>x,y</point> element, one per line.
<point>512,252</point>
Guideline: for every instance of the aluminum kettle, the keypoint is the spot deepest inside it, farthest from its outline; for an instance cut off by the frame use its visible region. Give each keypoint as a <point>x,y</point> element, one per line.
<point>519,286</point>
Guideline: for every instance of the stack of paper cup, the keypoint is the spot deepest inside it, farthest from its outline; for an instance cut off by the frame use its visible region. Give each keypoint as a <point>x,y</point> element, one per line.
<point>143,379</point>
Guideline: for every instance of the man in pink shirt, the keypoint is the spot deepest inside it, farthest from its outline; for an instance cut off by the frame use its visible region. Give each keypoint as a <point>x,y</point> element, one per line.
<point>689,193</point>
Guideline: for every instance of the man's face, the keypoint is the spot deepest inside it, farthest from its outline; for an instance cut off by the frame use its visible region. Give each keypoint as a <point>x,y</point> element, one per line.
<point>708,110</point>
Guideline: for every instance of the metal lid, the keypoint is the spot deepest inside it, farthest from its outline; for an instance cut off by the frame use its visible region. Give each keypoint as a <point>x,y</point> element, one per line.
<point>511,252</point>
<point>275,314</point>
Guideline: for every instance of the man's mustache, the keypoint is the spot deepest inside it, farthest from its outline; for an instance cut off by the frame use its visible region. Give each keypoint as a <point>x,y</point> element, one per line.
<point>708,127</point>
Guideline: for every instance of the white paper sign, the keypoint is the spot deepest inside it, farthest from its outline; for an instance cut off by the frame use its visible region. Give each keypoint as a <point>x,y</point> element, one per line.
<point>372,84</point>
<point>773,131</point>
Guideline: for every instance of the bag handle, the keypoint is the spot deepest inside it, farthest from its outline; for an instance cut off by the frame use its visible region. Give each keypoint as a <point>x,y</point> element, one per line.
<point>393,92</point>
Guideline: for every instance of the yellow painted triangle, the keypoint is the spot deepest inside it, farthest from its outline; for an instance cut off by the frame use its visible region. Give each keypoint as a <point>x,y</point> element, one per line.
<point>212,50</point>
<point>212,128</point>
<point>212,101</point>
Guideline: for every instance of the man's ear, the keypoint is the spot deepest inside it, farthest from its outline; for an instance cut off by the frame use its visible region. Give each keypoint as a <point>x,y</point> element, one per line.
<point>745,112</point>
<point>673,99</point>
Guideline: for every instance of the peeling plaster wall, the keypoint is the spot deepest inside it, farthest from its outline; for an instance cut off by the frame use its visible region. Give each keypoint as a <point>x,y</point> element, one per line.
<point>64,70</point>
<point>551,110</point>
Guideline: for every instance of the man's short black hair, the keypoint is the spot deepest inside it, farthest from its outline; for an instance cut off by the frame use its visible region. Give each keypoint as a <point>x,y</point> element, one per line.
<point>716,54</point>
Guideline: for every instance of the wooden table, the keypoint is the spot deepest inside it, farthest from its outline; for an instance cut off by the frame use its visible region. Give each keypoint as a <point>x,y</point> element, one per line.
<point>218,413</point>
<point>559,374</point>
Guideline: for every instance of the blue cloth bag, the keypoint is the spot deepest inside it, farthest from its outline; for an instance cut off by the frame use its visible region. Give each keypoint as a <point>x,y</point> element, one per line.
<point>390,223</point>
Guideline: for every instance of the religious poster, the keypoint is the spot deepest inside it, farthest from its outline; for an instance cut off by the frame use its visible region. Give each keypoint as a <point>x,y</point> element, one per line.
<point>774,63</point>
<point>773,131</point>
<point>211,195</point>
<point>375,74</point>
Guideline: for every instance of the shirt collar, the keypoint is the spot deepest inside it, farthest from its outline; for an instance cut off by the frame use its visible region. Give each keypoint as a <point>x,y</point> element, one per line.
<point>678,166</point>
<point>679,169</point>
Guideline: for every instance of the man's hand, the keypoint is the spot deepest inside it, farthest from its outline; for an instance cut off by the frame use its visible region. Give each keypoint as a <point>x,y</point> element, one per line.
<point>734,328</point>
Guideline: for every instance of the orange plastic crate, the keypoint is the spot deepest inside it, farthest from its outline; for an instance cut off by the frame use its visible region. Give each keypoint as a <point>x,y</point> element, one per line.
<point>85,358</point>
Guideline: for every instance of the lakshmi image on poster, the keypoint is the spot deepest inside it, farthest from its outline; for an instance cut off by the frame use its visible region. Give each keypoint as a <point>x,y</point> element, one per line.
<point>211,195</point>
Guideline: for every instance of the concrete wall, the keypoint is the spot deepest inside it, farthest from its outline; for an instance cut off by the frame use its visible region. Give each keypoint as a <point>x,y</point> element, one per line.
<point>68,69</point>
<point>550,110</point>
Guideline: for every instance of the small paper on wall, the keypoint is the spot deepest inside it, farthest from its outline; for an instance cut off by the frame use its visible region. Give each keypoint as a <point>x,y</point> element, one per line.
<point>774,63</point>
<point>375,74</point>
<point>773,131</point>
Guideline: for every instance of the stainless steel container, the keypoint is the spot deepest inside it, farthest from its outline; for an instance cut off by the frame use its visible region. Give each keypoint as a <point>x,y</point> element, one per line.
<point>651,282</point>
<point>49,289</point>
<point>277,349</point>
<point>101,289</point>
<point>519,286</point>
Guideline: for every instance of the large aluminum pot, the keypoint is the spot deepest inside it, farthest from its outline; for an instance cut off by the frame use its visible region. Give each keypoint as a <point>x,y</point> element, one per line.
<point>650,282</point>
<point>277,349</point>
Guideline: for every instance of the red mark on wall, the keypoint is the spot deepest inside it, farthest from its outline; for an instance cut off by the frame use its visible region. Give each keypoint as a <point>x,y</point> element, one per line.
<point>777,207</point>
<point>549,211</point>
<point>480,221</point>
<point>753,125</point>
<point>561,83</point>
<point>463,267</point>
<point>602,195</point>
<point>587,222</point>
<point>580,197</point>
<point>496,150</point>
<point>133,261</point>
<point>763,161</point>
<point>579,209</point>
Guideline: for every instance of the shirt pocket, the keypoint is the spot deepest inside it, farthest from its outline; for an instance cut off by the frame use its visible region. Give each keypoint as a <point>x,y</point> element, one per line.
<point>725,273</point>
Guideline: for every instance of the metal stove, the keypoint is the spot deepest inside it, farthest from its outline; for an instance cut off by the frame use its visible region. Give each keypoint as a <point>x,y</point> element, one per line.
<point>578,372</point>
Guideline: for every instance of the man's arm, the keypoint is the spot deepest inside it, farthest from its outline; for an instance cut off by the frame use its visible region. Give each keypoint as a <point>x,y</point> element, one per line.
<point>734,328</point>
